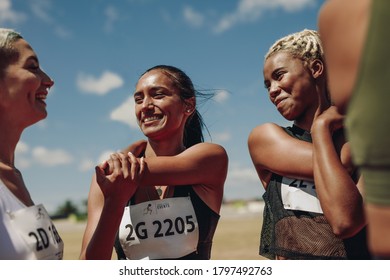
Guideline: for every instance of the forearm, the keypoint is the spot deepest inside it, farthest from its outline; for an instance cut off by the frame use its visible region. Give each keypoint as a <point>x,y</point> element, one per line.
<point>340,199</point>
<point>103,237</point>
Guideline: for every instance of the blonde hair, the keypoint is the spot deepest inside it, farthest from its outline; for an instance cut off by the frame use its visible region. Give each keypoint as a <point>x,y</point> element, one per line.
<point>7,51</point>
<point>305,45</point>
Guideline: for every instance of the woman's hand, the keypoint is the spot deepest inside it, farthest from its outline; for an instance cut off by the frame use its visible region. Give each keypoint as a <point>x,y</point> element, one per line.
<point>330,119</point>
<point>119,176</point>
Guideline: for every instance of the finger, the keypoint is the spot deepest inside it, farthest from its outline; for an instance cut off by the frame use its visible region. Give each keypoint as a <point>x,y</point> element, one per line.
<point>116,164</point>
<point>134,165</point>
<point>142,166</point>
<point>110,166</point>
<point>125,165</point>
<point>100,176</point>
<point>103,165</point>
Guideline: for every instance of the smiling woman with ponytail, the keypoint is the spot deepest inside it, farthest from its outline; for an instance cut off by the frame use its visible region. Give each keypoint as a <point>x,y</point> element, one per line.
<point>174,172</point>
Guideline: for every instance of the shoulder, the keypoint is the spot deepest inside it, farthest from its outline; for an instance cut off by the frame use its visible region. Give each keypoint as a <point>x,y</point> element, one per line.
<point>332,14</point>
<point>207,147</point>
<point>208,155</point>
<point>329,10</point>
<point>265,132</point>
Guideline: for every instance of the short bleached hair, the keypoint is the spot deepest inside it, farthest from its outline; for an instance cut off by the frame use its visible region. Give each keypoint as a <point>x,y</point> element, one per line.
<point>305,45</point>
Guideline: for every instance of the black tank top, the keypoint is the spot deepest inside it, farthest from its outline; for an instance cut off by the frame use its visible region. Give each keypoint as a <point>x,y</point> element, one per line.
<point>300,234</point>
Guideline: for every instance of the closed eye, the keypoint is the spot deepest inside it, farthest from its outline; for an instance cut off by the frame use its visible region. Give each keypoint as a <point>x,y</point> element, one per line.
<point>138,98</point>
<point>278,75</point>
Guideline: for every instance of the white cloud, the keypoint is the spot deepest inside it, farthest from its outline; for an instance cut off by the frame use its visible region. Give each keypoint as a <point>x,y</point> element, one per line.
<point>100,86</point>
<point>221,96</point>
<point>43,10</point>
<point>62,32</point>
<point>250,10</point>
<point>125,113</point>
<point>51,157</point>
<point>243,175</point>
<point>86,165</point>
<point>112,15</point>
<point>21,148</point>
<point>22,162</point>
<point>221,137</point>
<point>243,182</point>
<point>21,155</point>
<point>104,156</point>
<point>192,17</point>
<point>7,14</point>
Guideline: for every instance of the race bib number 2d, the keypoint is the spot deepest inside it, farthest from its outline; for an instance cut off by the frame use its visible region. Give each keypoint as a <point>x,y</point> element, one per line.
<point>37,230</point>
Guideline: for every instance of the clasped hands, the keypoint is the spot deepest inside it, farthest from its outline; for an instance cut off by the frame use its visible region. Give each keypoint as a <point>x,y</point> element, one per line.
<point>119,176</point>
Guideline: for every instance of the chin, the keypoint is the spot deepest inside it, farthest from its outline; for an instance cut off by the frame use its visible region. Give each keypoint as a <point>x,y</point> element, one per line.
<point>37,119</point>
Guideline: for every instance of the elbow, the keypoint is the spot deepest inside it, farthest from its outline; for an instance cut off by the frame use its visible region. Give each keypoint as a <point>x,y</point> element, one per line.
<point>342,232</point>
<point>347,228</point>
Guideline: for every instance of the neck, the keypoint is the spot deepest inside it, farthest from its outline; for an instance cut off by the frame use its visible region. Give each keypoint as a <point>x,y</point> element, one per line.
<point>9,138</point>
<point>164,148</point>
<point>306,121</point>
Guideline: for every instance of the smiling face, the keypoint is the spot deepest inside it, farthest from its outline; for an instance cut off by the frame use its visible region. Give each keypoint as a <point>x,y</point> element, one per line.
<point>290,85</point>
<point>159,109</point>
<point>24,87</point>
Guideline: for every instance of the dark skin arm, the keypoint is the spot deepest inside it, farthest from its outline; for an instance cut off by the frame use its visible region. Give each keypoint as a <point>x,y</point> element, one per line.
<point>339,195</point>
<point>273,150</point>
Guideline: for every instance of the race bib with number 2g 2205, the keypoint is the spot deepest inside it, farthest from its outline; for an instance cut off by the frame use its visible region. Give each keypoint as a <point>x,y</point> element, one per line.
<point>159,229</point>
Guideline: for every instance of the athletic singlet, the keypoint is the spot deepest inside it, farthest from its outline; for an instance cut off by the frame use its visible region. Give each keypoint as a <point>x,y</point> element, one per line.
<point>26,233</point>
<point>295,230</point>
<point>367,119</point>
<point>206,219</point>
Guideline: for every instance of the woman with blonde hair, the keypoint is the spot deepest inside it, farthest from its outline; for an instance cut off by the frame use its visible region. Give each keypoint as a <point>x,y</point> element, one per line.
<point>26,230</point>
<point>313,208</point>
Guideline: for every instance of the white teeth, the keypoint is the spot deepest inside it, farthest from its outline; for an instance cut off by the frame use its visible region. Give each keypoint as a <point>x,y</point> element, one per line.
<point>40,96</point>
<point>151,119</point>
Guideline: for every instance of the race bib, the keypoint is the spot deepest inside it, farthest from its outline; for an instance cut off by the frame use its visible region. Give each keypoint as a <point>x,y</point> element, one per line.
<point>35,227</point>
<point>159,229</point>
<point>300,195</point>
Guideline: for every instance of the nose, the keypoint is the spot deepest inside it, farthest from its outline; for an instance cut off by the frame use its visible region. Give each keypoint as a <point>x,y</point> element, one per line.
<point>147,103</point>
<point>273,91</point>
<point>46,80</point>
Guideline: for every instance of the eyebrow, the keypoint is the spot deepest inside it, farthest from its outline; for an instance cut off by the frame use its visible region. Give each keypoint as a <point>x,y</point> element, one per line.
<point>154,88</point>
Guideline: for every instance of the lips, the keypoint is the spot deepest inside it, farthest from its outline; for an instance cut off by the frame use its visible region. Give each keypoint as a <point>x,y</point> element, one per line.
<point>41,96</point>
<point>278,100</point>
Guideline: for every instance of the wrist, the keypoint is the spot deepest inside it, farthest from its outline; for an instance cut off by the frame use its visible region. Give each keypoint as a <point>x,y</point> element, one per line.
<point>320,125</point>
<point>114,206</point>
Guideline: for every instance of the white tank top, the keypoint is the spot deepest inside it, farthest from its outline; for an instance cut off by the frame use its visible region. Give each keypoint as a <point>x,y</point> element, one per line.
<point>26,232</point>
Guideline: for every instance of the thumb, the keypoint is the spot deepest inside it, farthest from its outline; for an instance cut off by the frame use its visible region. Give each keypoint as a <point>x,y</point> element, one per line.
<point>100,175</point>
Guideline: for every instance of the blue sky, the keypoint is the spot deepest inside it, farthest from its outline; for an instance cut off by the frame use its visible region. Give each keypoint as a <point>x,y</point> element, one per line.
<point>95,50</point>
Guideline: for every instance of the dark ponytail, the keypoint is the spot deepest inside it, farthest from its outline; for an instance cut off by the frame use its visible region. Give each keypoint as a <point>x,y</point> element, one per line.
<point>193,131</point>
